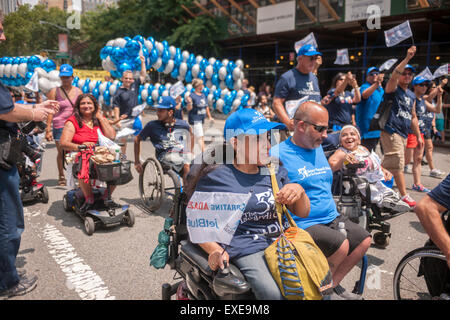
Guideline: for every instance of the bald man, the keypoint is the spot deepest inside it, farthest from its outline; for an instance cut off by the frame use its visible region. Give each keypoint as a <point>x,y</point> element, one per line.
<point>303,157</point>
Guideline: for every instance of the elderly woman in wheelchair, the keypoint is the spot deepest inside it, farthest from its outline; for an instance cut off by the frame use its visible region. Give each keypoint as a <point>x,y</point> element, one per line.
<point>246,134</point>
<point>351,152</point>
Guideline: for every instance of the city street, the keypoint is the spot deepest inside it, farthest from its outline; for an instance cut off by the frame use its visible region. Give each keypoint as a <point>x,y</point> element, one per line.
<point>113,263</point>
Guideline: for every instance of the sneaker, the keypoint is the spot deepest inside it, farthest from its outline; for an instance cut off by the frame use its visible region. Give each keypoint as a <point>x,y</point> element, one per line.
<point>410,201</point>
<point>341,292</point>
<point>395,205</point>
<point>420,188</point>
<point>436,173</point>
<point>24,286</point>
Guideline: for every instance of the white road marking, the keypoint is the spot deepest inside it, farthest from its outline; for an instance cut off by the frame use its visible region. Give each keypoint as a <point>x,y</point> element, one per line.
<point>80,276</point>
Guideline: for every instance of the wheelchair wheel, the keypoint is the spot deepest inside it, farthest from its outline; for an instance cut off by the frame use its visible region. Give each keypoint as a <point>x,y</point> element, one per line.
<point>89,225</point>
<point>409,281</point>
<point>151,184</point>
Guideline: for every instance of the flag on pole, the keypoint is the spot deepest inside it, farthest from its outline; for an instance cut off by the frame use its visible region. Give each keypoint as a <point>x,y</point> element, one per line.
<point>177,89</point>
<point>342,57</point>
<point>441,71</point>
<point>426,73</point>
<point>309,39</point>
<point>397,34</point>
<point>388,64</point>
<point>33,83</point>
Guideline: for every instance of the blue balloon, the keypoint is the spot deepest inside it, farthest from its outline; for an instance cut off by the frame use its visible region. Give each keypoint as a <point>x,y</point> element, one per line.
<point>33,62</point>
<point>161,89</point>
<point>104,53</point>
<point>139,39</point>
<point>217,94</point>
<point>203,64</point>
<point>132,48</point>
<point>230,67</point>
<point>28,76</point>
<point>127,38</point>
<point>165,56</point>
<point>117,55</point>
<point>23,60</point>
<point>151,40</point>
<point>149,100</point>
<point>244,100</point>
<point>205,91</point>
<point>16,60</point>
<point>124,66</point>
<point>234,94</point>
<point>139,101</point>
<point>115,74</point>
<point>215,79</point>
<point>48,65</point>
<point>106,95</point>
<point>165,44</point>
<point>136,64</point>
<point>217,65</point>
<point>153,56</point>
<point>188,76</point>
<point>163,66</point>
<point>96,93</point>
<point>229,81</point>
<point>175,73</point>
<point>202,76</point>
<point>150,88</point>
<point>145,52</point>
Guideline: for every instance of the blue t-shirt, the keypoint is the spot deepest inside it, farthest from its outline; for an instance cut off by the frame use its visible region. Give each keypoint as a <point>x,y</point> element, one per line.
<point>400,116</point>
<point>340,109</point>
<point>427,118</point>
<point>259,224</point>
<point>421,110</point>
<point>310,169</point>
<point>164,138</point>
<point>6,106</point>
<point>366,109</point>
<point>198,112</point>
<point>294,85</point>
<point>441,193</point>
<point>127,99</point>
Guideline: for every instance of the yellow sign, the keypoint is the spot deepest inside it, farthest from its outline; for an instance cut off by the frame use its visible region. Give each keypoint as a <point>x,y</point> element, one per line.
<point>91,74</point>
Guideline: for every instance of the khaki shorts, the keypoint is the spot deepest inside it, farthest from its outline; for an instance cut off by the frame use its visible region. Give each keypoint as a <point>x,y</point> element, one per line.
<point>394,151</point>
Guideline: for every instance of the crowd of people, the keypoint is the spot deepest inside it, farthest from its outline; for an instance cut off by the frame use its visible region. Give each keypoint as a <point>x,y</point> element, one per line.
<point>304,173</point>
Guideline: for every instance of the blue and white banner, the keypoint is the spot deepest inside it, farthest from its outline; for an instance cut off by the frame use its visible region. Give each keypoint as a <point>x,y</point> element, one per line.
<point>309,39</point>
<point>177,89</point>
<point>426,73</point>
<point>214,216</point>
<point>441,71</point>
<point>397,34</point>
<point>388,64</point>
<point>342,57</point>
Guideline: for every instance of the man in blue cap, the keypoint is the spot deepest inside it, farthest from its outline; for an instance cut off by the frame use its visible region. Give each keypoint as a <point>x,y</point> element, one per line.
<point>296,86</point>
<point>371,96</point>
<point>170,137</point>
<point>402,119</point>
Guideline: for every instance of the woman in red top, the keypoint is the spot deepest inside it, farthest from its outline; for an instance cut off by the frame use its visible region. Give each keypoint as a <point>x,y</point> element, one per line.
<point>81,129</point>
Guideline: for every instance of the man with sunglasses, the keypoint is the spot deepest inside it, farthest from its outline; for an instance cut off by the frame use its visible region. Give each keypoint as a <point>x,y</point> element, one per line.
<point>371,96</point>
<point>297,85</point>
<point>402,119</point>
<point>303,157</point>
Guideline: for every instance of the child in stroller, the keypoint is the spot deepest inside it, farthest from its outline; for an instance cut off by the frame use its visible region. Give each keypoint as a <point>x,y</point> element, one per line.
<point>350,152</point>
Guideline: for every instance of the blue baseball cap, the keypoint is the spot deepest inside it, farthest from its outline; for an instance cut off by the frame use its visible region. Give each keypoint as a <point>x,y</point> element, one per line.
<point>166,102</point>
<point>65,70</point>
<point>248,121</point>
<point>419,80</point>
<point>372,69</point>
<point>408,66</point>
<point>308,50</point>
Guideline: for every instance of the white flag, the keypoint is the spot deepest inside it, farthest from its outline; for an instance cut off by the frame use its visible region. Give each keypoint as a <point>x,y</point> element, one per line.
<point>342,57</point>
<point>426,73</point>
<point>309,39</point>
<point>33,83</point>
<point>214,216</point>
<point>398,34</point>
<point>441,71</point>
<point>388,64</point>
<point>177,89</point>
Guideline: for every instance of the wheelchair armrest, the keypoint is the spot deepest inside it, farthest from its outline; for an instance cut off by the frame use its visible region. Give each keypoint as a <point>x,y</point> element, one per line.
<point>196,256</point>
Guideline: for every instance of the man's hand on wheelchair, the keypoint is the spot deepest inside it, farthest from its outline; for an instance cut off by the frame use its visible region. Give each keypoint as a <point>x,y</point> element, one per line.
<point>138,167</point>
<point>216,259</point>
<point>350,159</point>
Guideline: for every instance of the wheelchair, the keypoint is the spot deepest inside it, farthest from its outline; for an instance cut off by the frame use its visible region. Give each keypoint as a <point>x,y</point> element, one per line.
<point>423,273</point>
<point>152,185</point>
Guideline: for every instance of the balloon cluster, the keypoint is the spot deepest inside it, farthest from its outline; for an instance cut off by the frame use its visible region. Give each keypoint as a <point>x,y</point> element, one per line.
<point>222,79</point>
<point>18,71</point>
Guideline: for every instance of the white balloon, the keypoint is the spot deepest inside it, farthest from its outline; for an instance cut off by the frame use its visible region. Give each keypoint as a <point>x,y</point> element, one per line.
<point>209,70</point>
<point>224,92</point>
<point>157,64</point>
<point>146,85</point>
<point>157,85</point>
<point>110,43</point>
<point>41,73</point>
<point>44,85</point>
<point>195,70</point>
<point>225,62</point>
<point>55,84</point>
<point>222,73</point>
<point>169,67</point>
<point>22,70</point>
<point>2,70</point>
<point>100,99</point>
<point>148,44</point>
<point>236,73</point>
<point>212,60</point>
<point>209,84</point>
<point>7,70</point>
<point>110,66</point>
<point>120,42</point>
<point>80,82</point>
<point>116,82</point>
<point>180,77</point>
<point>172,51</point>
<point>14,70</point>
<point>41,58</point>
<point>160,47</point>
<point>222,85</point>
<point>102,87</point>
<point>53,75</point>
<point>185,55</point>
<point>189,87</point>
<point>168,85</point>
<point>219,104</point>
<point>240,94</point>
<point>213,88</point>
<point>183,69</point>
<point>198,58</point>
<point>242,75</point>
<point>239,63</point>
<point>165,93</point>
<point>112,89</point>
<point>237,84</point>
<point>104,65</point>
<point>236,103</point>
<point>210,99</point>
<point>144,94</point>
<point>155,95</point>
<point>187,94</point>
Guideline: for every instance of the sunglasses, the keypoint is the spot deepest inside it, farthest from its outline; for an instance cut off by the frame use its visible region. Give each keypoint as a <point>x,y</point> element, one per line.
<point>374,74</point>
<point>319,129</point>
<point>409,74</point>
<point>422,85</point>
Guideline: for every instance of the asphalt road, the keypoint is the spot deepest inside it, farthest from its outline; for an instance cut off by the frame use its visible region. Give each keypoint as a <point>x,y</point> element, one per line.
<point>114,263</point>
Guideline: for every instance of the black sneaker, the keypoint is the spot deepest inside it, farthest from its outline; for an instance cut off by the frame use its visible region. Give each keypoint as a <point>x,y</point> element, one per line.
<point>345,294</point>
<point>24,286</point>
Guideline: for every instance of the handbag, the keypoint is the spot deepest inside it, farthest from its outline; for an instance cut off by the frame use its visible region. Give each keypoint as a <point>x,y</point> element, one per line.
<point>296,263</point>
<point>11,147</point>
<point>382,114</point>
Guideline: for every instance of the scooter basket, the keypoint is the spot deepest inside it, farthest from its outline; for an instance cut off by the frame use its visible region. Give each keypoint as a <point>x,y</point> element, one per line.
<point>125,173</point>
<point>106,172</point>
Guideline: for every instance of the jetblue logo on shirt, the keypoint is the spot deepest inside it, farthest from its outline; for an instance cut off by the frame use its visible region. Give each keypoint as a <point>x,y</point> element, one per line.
<point>309,90</point>
<point>305,173</point>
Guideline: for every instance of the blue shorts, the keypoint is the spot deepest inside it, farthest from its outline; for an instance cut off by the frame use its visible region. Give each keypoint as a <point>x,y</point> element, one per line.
<point>57,133</point>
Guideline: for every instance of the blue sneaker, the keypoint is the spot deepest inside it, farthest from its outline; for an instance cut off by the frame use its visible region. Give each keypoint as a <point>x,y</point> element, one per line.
<point>420,188</point>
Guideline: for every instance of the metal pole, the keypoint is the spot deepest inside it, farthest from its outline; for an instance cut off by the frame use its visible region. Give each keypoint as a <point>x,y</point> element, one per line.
<point>276,56</point>
<point>430,32</point>
<point>364,54</point>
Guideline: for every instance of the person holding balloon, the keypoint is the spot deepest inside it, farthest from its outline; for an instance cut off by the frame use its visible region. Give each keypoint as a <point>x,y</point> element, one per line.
<point>198,109</point>
<point>66,95</point>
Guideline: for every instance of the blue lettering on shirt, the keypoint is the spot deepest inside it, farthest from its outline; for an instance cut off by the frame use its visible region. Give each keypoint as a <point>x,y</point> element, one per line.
<point>400,116</point>
<point>198,112</point>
